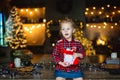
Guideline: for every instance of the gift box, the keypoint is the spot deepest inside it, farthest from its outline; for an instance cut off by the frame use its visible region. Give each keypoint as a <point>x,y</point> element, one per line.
<point>68,56</point>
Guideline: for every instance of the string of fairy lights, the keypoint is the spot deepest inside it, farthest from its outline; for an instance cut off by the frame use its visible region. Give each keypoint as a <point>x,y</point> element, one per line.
<point>33,14</point>
<point>103,25</point>
<point>107,16</point>
<point>100,11</point>
<point>33,27</point>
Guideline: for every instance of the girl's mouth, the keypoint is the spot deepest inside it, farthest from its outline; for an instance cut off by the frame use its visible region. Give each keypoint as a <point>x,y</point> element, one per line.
<point>66,34</point>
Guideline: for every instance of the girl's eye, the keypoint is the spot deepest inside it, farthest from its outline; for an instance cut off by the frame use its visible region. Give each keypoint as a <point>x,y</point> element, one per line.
<point>65,29</point>
<point>68,28</point>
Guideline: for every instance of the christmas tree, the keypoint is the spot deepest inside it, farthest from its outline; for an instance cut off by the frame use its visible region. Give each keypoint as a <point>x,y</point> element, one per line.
<point>14,36</point>
<point>79,35</point>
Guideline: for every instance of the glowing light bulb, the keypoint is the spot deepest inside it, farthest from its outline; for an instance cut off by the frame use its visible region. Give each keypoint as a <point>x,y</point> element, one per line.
<point>92,13</point>
<point>94,26</point>
<point>113,13</point>
<point>102,7</point>
<point>87,25</point>
<point>104,23</point>
<point>99,27</point>
<point>26,10</point>
<point>107,16</point>
<point>36,9</point>
<point>87,9</point>
<point>86,13</point>
<point>32,27</point>
<point>91,26</point>
<point>31,13</point>
<point>116,24</point>
<point>39,26</point>
<point>94,7</point>
<point>111,27</point>
<point>44,20</point>
<point>26,28</point>
<point>115,7</point>
<point>104,26</point>
<point>21,10</point>
<point>100,12</point>
<point>53,44</point>
<point>108,5</point>
<point>43,24</point>
<point>118,11</point>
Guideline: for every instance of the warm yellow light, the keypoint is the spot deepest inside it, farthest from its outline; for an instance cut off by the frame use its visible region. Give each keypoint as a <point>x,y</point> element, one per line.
<point>32,27</point>
<point>53,44</point>
<point>116,24</point>
<point>44,20</point>
<point>107,16</point>
<point>115,7</point>
<point>30,31</point>
<point>26,10</point>
<point>87,9</point>
<point>87,25</point>
<point>99,27</point>
<point>113,13</point>
<point>100,12</point>
<point>94,7</point>
<point>118,11</point>
<point>43,24</point>
<point>86,13</point>
<point>31,13</point>
<point>36,9</point>
<point>38,26</point>
<point>108,5</point>
<point>35,33</point>
<point>94,26</point>
<point>91,26</point>
<point>92,13</point>
<point>26,28</point>
<point>102,7</point>
<point>104,26</point>
<point>105,23</point>
<point>59,20</point>
<point>44,8</point>
<point>81,24</point>
<point>21,10</point>
<point>111,27</point>
<point>100,42</point>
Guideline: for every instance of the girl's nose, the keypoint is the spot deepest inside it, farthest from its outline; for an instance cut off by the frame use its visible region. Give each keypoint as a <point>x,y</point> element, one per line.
<point>66,30</point>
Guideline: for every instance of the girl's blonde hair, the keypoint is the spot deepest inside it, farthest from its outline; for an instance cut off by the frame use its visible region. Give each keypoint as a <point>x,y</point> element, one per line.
<point>67,20</point>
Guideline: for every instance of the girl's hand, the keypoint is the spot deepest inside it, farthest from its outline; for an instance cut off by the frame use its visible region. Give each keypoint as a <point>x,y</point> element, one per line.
<point>75,55</point>
<point>64,64</point>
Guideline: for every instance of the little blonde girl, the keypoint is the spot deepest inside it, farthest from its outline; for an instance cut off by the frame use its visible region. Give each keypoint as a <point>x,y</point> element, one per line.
<point>67,53</point>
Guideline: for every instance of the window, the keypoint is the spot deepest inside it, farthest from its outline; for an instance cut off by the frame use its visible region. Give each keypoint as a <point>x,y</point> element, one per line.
<point>1,29</point>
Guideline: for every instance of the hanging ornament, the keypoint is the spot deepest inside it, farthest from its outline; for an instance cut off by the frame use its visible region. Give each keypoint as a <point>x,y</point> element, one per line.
<point>11,65</point>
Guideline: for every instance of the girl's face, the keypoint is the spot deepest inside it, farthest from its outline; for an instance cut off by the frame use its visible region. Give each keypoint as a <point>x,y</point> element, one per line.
<point>67,30</point>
